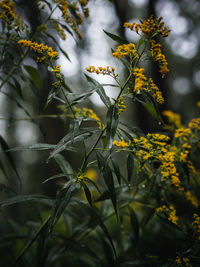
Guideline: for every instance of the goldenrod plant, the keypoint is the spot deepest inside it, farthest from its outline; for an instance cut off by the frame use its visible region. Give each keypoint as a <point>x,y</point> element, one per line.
<point>134,198</point>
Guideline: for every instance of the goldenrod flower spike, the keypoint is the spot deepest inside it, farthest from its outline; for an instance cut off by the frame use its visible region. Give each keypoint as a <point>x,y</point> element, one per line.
<point>125,50</point>
<point>121,143</point>
<point>150,27</point>
<point>39,48</point>
<point>102,70</point>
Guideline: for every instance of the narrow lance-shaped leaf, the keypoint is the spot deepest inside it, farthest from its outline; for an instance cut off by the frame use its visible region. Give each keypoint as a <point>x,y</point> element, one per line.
<point>134,225</point>
<point>98,220</point>
<point>116,38</point>
<point>87,193</point>
<point>64,164</point>
<point>117,171</point>
<point>5,148</point>
<point>130,166</point>
<point>56,176</point>
<point>62,200</point>
<point>108,253</point>
<point>66,140</point>
<point>24,198</point>
<point>34,74</point>
<point>34,147</point>
<point>108,178</point>
<point>112,122</point>
<point>100,91</point>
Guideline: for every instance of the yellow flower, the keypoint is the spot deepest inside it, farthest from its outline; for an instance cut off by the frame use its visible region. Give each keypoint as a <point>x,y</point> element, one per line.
<point>39,48</point>
<point>125,50</point>
<point>159,57</point>
<point>103,70</point>
<point>121,143</point>
<point>192,199</point>
<point>150,27</point>
<point>141,83</point>
<point>173,118</point>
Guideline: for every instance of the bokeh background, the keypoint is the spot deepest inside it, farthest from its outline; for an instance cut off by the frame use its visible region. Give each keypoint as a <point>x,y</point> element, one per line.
<point>181,87</point>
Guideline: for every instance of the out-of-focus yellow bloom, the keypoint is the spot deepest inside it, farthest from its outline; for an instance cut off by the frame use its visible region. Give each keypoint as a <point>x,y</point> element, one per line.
<point>121,143</point>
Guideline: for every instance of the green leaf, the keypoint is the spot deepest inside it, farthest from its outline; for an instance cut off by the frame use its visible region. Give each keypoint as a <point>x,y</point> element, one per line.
<point>66,140</point>
<point>108,253</point>
<point>112,122</point>
<point>93,183</point>
<point>5,148</point>
<point>100,91</point>
<point>58,45</point>
<point>24,198</point>
<point>130,166</point>
<point>64,165</point>
<point>140,42</point>
<point>54,177</point>
<point>149,216</point>
<point>97,219</point>
<point>108,178</point>
<point>87,193</point>
<point>152,108</point>
<point>135,130</point>
<point>34,74</point>
<point>116,38</point>
<point>16,86</point>
<point>134,225</point>
<point>105,195</point>
<point>62,200</point>
<point>34,147</point>
<point>117,171</point>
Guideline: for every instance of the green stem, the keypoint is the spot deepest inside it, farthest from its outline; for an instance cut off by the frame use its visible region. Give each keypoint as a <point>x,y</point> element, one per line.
<point>66,98</point>
<point>91,150</point>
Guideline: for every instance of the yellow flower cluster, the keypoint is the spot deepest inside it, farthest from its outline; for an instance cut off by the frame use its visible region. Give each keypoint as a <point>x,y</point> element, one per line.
<point>169,170</point>
<point>156,92</point>
<point>121,106</point>
<point>191,168</point>
<point>192,199</point>
<point>183,262</point>
<point>182,132</point>
<point>194,124</point>
<point>102,70</point>
<point>173,118</point>
<point>88,113</point>
<point>172,213</point>
<point>155,147</point>
<point>121,143</point>
<point>159,57</point>
<point>141,83</point>
<point>151,27</point>
<point>8,9</point>
<point>196,224</point>
<point>56,70</point>
<point>63,4</point>
<point>9,15</point>
<point>39,48</point>
<point>68,16</point>
<point>140,79</point>
<point>125,50</point>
